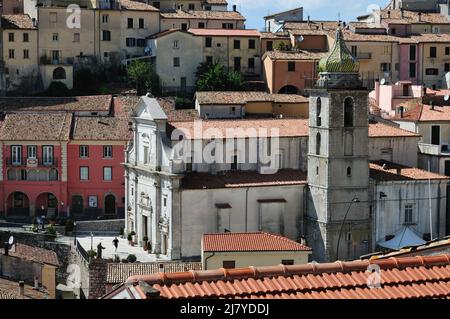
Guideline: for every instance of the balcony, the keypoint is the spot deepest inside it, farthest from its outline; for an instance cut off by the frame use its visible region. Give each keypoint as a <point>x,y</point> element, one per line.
<point>31,162</point>
<point>436,150</point>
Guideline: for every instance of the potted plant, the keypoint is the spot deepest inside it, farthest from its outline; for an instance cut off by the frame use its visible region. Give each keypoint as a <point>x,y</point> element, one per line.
<point>130,238</point>
<point>121,232</point>
<point>145,243</point>
<point>133,237</point>
<point>131,258</point>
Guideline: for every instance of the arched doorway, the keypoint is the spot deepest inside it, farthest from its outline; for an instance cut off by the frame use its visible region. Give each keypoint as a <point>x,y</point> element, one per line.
<point>59,74</point>
<point>288,89</point>
<point>46,205</point>
<point>110,204</point>
<point>18,205</point>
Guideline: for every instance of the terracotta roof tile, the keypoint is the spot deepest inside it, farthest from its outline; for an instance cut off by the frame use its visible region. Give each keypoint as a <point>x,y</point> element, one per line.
<point>295,55</point>
<point>277,35</point>
<point>223,2</point>
<point>35,254</point>
<point>10,290</point>
<point>119,272</point>
<point>101,128</point>
<point>176,115</point>
<point>36,127</point>
<point>239,179</point>
<point>17,21</point>
<point>401,278</point>
<point>311,25</point>
<point>225,32</point>
<point>397,172</point>
<point>419,112</point>
<point>203,15</point>
<point>247,96</point>
<point>412,17</point>
<point>257,241</point>
<point>136,6</point>
<point>384,130</point>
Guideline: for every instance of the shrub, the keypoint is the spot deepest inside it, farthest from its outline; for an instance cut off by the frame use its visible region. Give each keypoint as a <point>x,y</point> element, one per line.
<point>57,89</point>
<point>145,239</point>
<point>51,230</point>
<point>70,225</point>
<point>130,237</point>
<point>91,253</point>
<point>131,258</point>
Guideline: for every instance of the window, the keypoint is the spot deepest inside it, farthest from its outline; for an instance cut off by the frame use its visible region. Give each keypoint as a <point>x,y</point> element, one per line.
<point>393,30</point>
<point>107,173</point>
<point>447,67</point>
<point>409,209</point>
<point>433,52</point>
<point>184,27</point>
<point>348,112</point>
<point>227,26</point>
<point>106,35</point>
<point>26,54</point>
<point>385,67</point>
<point>201,25</point>
<point>130,42</point>
<point>349,171</point>
<point>209,60</point>
<point>25,37</point>
<point>59,73</point>
<point>47,155</point>
<point>130,23</point>
<point>92,201</point>
<point>318,142</point>
<point>236,44</point>
<point>84,151</point>
<point>354,50</point>
<point>412,52</point>
<point>269,46</point>
<point>105,18</point>
<point>146,159</point>
<point>319,112</point>
<point>291,66</point>
<point>84,173</point>
<point>11,37</point>
<point>55,36</point>
<point>141,43</point>
<point>412,70</point>
<point>32,151</point>
<point>175,44</point>
<point>11,53</point>
<point>251,44</point>
<point>141,23</point>
<point>191,6</point>
<point>176,62</point>
<point>229,264</point>
<point>237,64</point>
<point>107,151</point>
<point>447,50</point>
<point>234,163</point>
<point>431,71</point>
<point>251,63</point>
<point>208,42</point>
<point>287,262</point>
<point>16,155</point>
<point>348,236</point>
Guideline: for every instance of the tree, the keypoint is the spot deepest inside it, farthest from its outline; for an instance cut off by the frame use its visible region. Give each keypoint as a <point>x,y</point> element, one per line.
<point>214,77</point>
<point>143,77</point>
<point>57,89</point>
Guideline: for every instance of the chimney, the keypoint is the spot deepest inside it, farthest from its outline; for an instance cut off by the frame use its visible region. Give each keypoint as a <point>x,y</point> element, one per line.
<point>419,16</point>
<point>36,283</point>
<point>431,105</point>
<point>389,14</point>
<point>303,240</point>
<point>402,111</point>
<point>34,21</point>
<point>21,288</point>
<point>321,26</point>
<point>309,20</point>
<point>399,171</point>
<point>234,7</point>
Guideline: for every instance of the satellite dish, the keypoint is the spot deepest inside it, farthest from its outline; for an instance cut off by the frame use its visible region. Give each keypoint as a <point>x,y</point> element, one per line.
<point>12,244</point>
<point>383,81</point>
<point>446,98</point>
<point>300,38</point>
<point>11,240</point>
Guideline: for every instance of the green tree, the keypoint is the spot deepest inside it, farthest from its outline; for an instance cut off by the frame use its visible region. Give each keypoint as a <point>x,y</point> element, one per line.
<point>57,89</point>
<point>143,76</point>
<point>214,77</point>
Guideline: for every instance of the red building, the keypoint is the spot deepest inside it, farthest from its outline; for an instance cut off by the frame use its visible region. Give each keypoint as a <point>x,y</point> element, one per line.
<point>62,156</point>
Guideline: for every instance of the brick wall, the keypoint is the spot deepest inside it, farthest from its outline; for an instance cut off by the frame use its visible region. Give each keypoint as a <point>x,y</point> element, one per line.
<point>97,278</point>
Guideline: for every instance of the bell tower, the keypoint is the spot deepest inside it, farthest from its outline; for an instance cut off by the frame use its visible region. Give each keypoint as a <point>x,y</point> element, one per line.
<point>337,220</point>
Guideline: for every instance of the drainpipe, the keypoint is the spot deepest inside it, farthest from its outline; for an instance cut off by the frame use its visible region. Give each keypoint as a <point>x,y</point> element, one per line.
<point>206,259</point>
<point>246,208</point>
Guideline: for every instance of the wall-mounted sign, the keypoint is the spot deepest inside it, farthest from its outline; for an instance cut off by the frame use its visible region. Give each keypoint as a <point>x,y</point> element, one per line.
<point>93,201</point>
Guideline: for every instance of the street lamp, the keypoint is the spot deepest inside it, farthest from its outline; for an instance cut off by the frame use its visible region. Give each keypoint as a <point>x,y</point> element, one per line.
<point>354,200</point>
<point>92,241</point>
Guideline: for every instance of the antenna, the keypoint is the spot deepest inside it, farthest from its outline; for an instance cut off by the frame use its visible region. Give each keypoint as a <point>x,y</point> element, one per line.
<point>383,81</point>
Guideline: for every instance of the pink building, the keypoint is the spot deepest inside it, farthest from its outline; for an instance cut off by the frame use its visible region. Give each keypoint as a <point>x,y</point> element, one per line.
<point>60,157</point>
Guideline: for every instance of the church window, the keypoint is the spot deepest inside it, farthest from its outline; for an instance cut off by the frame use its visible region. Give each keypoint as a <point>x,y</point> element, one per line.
<point>348,112</point>
<point>318,142</point>
<point>318,112</point>
<point>349,171</point>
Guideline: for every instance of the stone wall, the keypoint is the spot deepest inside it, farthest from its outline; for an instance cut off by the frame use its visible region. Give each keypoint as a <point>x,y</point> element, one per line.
<point>110,227</point>
<point>97,278</point>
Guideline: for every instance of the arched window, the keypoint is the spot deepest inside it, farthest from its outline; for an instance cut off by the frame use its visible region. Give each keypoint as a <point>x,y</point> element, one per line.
<point>348,112</point>
<point>349,171</point>
<point>319,112</point>
<point>59,74</point>
<point>318,142</point>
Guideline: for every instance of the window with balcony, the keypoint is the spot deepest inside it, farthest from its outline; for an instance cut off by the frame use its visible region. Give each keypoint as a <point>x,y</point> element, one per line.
<point>435,135</point>
<point>107,173</point>
<point>32,151</point>
<point>84,173</point>
<point>84,151</point>
<point>16,155</point>
<point>47,155</point>
<point>107,151</point>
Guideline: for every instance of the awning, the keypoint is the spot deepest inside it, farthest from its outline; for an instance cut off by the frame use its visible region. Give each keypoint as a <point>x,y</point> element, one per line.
<point>405,237</point>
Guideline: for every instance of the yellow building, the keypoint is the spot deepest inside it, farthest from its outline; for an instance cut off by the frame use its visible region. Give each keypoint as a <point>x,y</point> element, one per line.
<point>239,250</point>
<point>216,5</point>
<point>19,38</point>
<point>185,20</point>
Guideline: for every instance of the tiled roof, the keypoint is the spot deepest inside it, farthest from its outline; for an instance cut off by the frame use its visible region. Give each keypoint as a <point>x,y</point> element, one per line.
<point>17,21</point>
<point>397,172</point>
<point>257,241</point>
<point>223,2</point>
<point>176,115</point>
<point>203,15</point>
<point>278,35</point>
<point>358,37</point>
<point>96,103</point>
<point>164,33</point>
<point>287,127</point>
<point>225,32</point>
<point>10,290</point>
<point>36,127</point>
<point>424,113</point>
<point>311,25</point>
<point>35,254</point>
<point>124,105</point>
<point>294,55</point>
<point>101,128</point>
<point>426,37</point>
<point>384,130</point>
<point>239,179</point>
<point>136,6</point>
<point>228,97</point>
<point>412,17</point>
<point>119,272</point>
<point>400,278</point>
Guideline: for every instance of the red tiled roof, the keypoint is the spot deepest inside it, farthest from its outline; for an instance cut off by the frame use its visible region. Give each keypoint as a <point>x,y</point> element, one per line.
<point>101,128</point>
<point>35,254</point>
<point>396,172</point>
<point>17,21</point>
<point>225,32</point>
<point>384,130</point>
<point>401,278</point>
<point>136,6</point>
<point>203,15</point>
<point>257,241</point>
